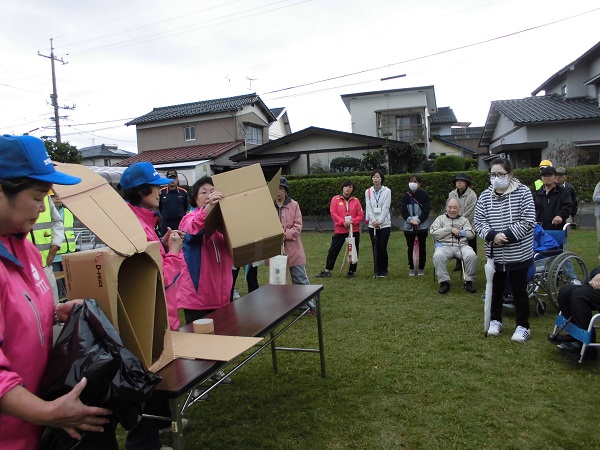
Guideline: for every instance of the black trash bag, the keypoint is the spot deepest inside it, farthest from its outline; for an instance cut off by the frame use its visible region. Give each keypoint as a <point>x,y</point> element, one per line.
<point>89,346</point>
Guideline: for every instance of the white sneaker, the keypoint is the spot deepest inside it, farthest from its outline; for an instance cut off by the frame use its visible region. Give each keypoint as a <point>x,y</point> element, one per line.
<point>521,334</point>
<point>411,273</point>
<point>495,328</point>
<point>236,294</point>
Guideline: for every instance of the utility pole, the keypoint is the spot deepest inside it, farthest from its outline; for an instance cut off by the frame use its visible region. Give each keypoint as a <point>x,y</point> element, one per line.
<point>54,95</point>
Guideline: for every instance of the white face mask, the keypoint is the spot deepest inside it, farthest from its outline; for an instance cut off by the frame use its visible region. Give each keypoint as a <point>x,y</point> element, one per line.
<point>413,186</point>
<point>499,183</point>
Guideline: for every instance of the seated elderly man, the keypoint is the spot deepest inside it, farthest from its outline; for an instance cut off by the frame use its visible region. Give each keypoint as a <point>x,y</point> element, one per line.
<point>577,303</point>
<point>451,232</point>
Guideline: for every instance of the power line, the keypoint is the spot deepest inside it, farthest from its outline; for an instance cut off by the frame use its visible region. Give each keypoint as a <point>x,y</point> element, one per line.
<point>462,47</point>
<point>183,30</point>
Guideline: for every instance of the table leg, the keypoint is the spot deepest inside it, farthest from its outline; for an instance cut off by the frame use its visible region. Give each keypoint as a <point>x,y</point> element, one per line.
<point>274,354</point>
<point>320,331</point>
<point>178,441</point>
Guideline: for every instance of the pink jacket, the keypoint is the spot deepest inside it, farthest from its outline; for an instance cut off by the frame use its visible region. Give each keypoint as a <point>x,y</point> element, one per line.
<point>212,270</point>
<point>339,208</point>
<point>291,221</point>
<point>172,264</point>
<point>26,316</point>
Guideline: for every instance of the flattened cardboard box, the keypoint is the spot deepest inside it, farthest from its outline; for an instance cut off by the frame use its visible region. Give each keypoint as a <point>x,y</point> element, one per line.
<point>246,215</point>
<point>126,279</point>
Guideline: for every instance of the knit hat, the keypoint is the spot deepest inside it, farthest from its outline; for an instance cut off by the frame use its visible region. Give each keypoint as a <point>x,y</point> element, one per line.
<point>283,182</point>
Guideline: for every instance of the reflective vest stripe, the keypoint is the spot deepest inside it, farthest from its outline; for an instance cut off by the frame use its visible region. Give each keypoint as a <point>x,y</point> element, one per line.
<point>41,234</point>
<point>68,245</point>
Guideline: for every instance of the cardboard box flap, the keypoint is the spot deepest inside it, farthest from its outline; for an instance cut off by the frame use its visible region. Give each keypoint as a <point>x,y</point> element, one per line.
<point>274,185</point>
<point>203,346</point>
<point>102,210</point>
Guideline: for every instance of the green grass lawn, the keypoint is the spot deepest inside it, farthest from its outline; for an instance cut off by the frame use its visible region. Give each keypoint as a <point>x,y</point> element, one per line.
<point>406,368</point>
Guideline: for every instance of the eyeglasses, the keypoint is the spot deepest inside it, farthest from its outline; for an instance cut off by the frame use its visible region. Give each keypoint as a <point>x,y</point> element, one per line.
<point>498,175</point>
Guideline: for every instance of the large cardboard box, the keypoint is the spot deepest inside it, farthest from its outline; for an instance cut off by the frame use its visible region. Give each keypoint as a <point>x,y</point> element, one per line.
<point>246,214</point>
<point>126,278</point>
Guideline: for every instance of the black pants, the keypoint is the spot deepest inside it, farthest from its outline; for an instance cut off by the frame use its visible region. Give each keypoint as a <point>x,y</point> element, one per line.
<point>251,279</point>
<point>337,242</point>
<point>518,284</point>
<point>577,302</point>
<point>379,242</point>
<point>145,435</point>
<point>410,242</point>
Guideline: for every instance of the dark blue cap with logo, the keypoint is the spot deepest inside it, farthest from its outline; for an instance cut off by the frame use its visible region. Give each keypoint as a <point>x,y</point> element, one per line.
<point>26,157</point>
<point>141,173</point>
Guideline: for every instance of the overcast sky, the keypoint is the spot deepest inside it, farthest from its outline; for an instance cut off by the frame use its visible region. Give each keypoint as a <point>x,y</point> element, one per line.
<point>124,58</point>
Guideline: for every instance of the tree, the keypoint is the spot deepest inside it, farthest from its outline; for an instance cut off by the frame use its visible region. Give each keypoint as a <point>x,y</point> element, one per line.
<point>318,167</point>
<point>374,160</point>
<point>566,154</point>
<point>404,157</point>
<point>63,152</point>
<point>345,164</point>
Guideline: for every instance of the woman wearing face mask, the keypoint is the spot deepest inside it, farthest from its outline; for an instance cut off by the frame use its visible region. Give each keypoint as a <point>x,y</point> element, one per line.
<point>504,219</point>
<point>415,211</point>
<point>378,200</point>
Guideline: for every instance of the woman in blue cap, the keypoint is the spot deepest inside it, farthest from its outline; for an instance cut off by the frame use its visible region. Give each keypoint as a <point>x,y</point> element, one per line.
<point>27,310</point>
<point>141,185</point>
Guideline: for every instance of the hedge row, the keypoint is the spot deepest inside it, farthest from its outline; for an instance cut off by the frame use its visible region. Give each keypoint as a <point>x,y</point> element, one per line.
<point>314,194</point>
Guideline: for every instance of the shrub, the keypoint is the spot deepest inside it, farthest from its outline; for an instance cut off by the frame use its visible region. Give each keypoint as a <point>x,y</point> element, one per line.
<point>450,163</point>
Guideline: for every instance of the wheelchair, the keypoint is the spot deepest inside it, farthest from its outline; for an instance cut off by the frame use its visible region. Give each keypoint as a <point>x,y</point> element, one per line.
<point>553,269</point>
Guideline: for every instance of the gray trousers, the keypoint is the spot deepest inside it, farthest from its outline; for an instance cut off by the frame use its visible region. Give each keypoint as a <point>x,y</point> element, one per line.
<point>443,253</point>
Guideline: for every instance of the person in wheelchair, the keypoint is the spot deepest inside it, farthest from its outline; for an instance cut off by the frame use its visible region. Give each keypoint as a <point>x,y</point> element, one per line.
<point>451,233</point>
<point>577,303</point>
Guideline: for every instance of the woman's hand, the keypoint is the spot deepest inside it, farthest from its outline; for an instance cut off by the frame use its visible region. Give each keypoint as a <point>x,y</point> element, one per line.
<point>174,240</point>
<point>213,198</point>
<point>69,413</point>
<point>500,239</point>
<point>63,310</point>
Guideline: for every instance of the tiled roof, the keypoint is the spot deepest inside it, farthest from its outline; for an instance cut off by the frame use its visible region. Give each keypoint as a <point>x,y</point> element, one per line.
<point>547,109</point>
<point>180,154</point>
<point>199,108</point>
<point>443,115</point>
<point>277,111</point>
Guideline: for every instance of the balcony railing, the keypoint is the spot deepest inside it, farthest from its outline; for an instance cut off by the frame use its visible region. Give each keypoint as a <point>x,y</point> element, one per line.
<point>407,133</point>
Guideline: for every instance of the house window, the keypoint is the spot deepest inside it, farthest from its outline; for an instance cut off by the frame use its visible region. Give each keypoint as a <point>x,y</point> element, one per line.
<point>189,133</point>
<point>107,162</point>
<point>254,134</point>
<point>409,128</point>
<point>563,90</point>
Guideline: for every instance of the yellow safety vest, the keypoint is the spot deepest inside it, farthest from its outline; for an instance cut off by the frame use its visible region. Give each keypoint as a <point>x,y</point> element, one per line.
<point>68,245</point>
<point>538,184</point>
<point>41,234</point>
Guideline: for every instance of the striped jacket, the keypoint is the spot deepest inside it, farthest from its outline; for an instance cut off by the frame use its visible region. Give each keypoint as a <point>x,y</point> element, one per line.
<point>511,213</point>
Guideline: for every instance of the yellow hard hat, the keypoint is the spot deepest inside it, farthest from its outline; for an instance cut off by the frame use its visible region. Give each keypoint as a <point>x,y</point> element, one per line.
<point>51,192</point>
<point>546,163</point>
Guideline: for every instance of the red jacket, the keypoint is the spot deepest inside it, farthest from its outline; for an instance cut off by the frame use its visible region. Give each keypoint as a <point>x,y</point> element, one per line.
<point>340,208</point>
<point>26,316</point>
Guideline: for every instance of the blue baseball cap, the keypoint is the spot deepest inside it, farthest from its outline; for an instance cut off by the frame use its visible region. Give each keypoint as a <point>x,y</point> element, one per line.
<point>26,157</point>
<point>141,173</point>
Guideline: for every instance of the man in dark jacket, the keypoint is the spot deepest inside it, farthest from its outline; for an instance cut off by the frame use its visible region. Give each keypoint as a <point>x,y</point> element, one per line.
<point>174,203</point>
<point>561,180</point>
<point>552,202</point>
